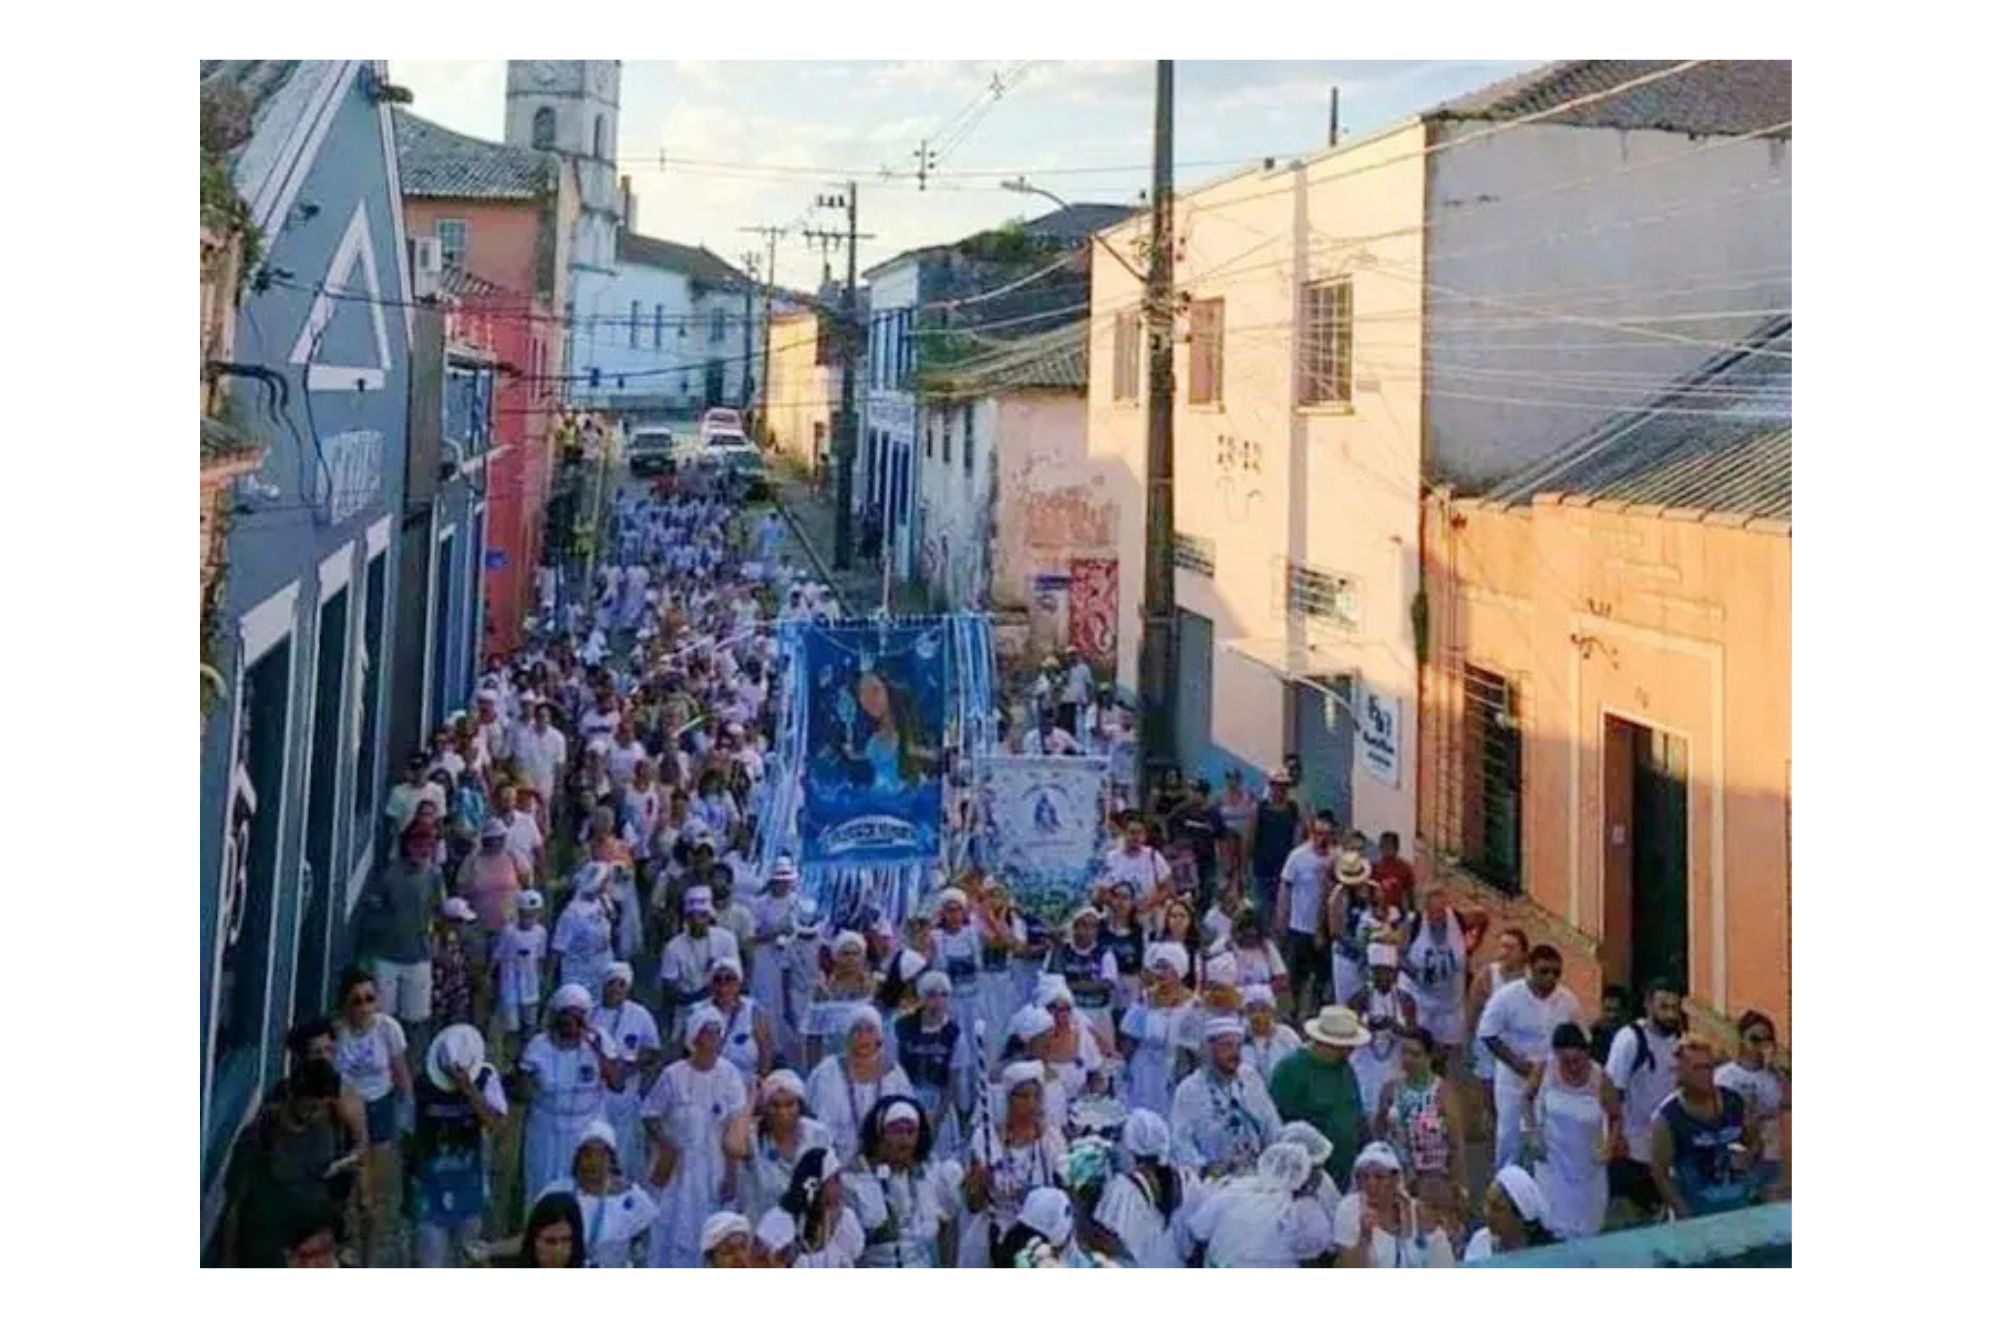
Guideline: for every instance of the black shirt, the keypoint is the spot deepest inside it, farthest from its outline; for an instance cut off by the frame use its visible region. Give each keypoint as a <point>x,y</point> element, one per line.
<point>1201,828</point>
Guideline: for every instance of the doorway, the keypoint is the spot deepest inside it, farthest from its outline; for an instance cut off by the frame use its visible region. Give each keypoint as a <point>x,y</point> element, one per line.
<point>1321,727</point>
<point>1646,851</point>
<point>1195,639</point>
<point>321,803</point>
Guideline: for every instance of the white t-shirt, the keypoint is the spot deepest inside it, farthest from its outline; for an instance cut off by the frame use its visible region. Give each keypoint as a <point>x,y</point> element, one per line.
<point>365,1060</point>
<point>540,754</point>
<point>687,959</point>
<point>1523,1021</point>
<point>523,838</point>
<point>1305,877</point>
<point>609,1222</point>
<point>1763,1092</point>
<point>1388,1251</point>
<point>1258,965</point>
<point>1643,1089</point>
<point>1144,869</point>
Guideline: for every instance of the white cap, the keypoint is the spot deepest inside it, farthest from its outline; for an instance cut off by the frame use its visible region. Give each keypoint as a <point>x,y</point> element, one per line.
<point>458,909</point>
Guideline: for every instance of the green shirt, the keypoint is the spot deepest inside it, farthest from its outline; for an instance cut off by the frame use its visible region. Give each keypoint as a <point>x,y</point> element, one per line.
<point>1326,1096</point>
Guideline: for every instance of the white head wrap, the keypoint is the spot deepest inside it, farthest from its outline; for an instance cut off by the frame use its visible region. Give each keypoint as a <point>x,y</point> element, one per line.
<point>910,964</point>
<point>1052,989</point>
<point>1048,1212</point>
<point>1522,1192</point>
<point>783,1081</point>
<point>935,980</point>
<point>600,1132</point>
<point>848,940</point>
<point>699,1020</point>
<point>1286,1166</point>
<point>572,996</point>
<point>619,970</point>
<point>1021,1072</point>
<point>1221,1027</point>
<point>1260,994</point>
<point>720,1228</point>
<point>1382,956</point>
<point>863,1016</point>
<point>1317,1144</point>
<point>1171,956</point>
<point>953,896</point>
<point>724,964</point>
<point>1030,1022</point>
<point>1146,1134</point>
<point>1377,1155</point>
<point>901,1110</point>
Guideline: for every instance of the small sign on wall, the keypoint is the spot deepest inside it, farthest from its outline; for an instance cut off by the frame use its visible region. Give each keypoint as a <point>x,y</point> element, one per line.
<point>1378,729</point>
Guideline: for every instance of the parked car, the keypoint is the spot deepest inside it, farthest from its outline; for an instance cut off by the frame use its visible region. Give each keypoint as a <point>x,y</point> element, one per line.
<point>651,451</point>
<point>719,420</point>
<point>736,452</point>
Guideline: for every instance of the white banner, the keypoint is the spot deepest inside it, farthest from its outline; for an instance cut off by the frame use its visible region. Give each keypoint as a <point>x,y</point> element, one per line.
<point>1378,729</point>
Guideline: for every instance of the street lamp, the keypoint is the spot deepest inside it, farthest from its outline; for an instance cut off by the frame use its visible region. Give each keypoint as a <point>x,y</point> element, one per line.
<point>1022,186</point>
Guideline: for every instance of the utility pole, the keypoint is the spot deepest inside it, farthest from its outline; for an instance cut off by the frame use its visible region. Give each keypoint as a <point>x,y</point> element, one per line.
<point>1334,116</point>
<point>770,234</point>
<point>847,417</point>
<point>1158,609</point>
<point>926,159</point>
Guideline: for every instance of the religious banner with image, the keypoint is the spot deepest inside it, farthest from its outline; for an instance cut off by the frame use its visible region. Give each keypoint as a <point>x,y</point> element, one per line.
<point>874,726</point>
<point>1047,828</point>
<point>1095,610</point>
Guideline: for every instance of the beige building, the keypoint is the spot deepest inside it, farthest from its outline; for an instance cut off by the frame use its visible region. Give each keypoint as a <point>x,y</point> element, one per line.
<point>1446,300</point>
<point>800,421</point>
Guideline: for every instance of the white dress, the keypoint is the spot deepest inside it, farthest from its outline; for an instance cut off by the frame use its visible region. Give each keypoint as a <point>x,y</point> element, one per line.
<point>913,1204</point>
<point>694,1108</point>
<point>630,1030</point>
<point>1127,1208</point>
<point>1421,1250</point>
<point>844,1248</point>
<point>736,1040</point>
<point>568,1093</point>
<point>609,1222</point>
<point>997,996</point>
<point>1247,1223</point>
<point>1014,1173</point>
<point>781,976</point>
<point>1574,1184</point>
<point>1157,1033</point>
<point>959,955</point>
<point>764,1177</point>
<point>584,939</point>
<point>842,1105</point>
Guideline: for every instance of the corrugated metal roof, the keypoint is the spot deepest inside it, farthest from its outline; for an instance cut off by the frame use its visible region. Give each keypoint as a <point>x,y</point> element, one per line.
<point>695,261</point>
<point>1054,360</point>
<point>1714,97</point>
<point>440,163</point>
<point>1719,440</point>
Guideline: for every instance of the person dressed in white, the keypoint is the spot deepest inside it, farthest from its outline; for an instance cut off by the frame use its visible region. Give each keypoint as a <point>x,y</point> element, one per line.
<point>1434,970</point>
<point>955,948</point>
<point>1047,739</point>
<point>782,1132</point>
<point>749,1040</point>
<point>584,936</point>
<point>568,1074</point>
<point>828,1232</point>
<point>1572,1124</point>
<point>1755,1078</point>
<point>685,971</point>
<point>780,979</point>
<point>1379,1225</point>
<point>1267,1040</point>
<point>1514,1218</point>
<point>907,1202</point>
<point>1268,1219</point>
<point>1019,1151</point>
<point>1389,1012</point>
<point>842,1088</point>
<point>616,1216</point>
<point>1300,914</point>
<point>1146,1203</point>
<point>1153,1031</point>
<point>1640,1065</point>
<point>628,1032</point>
<point>541,751</point>
<point>1222,1117</point>
<point>691,1109</point>
<point>1515,1028</point>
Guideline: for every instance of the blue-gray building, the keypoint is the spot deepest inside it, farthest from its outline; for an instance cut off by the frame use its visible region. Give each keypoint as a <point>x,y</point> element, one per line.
<point>293,754</point>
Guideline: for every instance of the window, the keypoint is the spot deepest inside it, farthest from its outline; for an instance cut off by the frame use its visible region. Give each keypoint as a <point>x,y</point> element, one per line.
<point>1491,779</point>
<point>635,320</point>
<point>602,136</point>
<point>905,347</point>
<point>1323,595</point>
<point>1127,355</point>
<point>543,127</point>
<point>968,439</point>
<point>930,437</point>
<point>1327,331</point>
<point>657,326</point>
<point>719,323</point>
<point>441,695</point>
<point>453,237</point>
<point>1206,352</point>
<point>947,437</point>
<point>1193,553</point>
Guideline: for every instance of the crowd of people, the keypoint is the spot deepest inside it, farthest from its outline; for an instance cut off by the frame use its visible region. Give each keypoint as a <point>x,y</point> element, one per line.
<point>587,1031</point>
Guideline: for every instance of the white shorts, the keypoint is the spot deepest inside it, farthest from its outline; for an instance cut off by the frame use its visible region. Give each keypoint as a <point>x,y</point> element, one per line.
<point>404,989</point>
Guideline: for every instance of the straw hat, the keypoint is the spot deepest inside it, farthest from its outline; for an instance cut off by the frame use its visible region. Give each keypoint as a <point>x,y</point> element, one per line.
<point>1352,869</point>
<point>1337,1026</point>
<point>459,1045</point>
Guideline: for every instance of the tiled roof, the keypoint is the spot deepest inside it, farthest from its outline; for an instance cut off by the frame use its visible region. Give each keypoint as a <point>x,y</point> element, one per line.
<point>441,163</point>
<point>695,261</point>
<point>463,282</point>
<point>1054,359</point>
<point>1719,440</point>
<point>1066,227</point>
<point>1714,97</point>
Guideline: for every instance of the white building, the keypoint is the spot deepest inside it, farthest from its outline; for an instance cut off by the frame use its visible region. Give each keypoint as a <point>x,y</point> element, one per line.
<point>668,333</point>
<point>1438,303</point>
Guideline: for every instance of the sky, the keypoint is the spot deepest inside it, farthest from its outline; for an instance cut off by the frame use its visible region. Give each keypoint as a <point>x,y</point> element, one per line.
<point>752,143</point>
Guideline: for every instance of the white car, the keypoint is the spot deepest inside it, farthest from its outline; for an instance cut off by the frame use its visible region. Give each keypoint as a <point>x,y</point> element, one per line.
<point>719,420</point>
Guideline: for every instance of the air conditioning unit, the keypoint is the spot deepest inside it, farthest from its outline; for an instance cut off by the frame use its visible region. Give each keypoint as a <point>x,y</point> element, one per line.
<point>425,266</point>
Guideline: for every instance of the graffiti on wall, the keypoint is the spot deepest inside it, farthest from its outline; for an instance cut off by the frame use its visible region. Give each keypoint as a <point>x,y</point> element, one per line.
<point>1066,519</point>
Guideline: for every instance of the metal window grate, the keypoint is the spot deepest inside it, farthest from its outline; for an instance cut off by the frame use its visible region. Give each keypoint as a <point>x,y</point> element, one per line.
<point>1326,353</point>
<point>1206,352</point>
<point>1321,595</point>
<point>1492,773</point>
<point>1193,553</point>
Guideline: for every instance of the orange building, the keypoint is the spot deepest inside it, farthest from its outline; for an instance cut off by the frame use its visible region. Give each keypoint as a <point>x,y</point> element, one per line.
<point>1606,688</point>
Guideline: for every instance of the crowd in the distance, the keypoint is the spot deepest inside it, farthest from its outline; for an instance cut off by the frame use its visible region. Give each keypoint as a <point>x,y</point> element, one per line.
<point>586,1031</point>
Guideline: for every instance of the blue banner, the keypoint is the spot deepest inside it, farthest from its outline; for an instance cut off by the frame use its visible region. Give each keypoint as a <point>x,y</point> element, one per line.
<point>1047,828</point>
<point>874,724</point>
